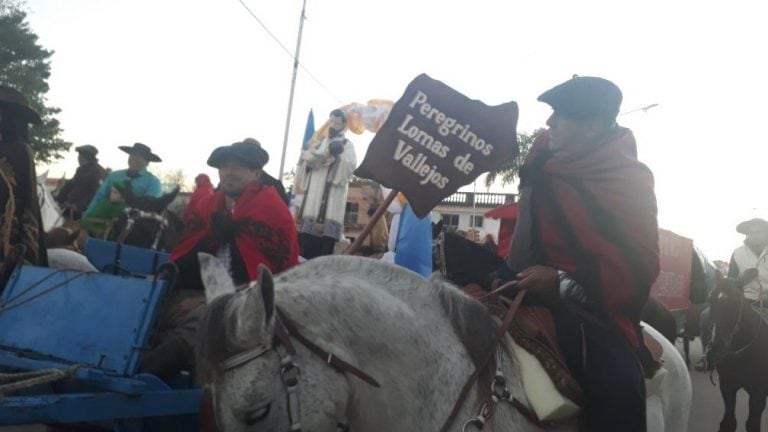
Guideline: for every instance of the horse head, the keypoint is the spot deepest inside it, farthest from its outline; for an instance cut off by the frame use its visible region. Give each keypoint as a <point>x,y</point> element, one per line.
<point>147,222</point>
<point>148,203</point>
<point>247,370</point>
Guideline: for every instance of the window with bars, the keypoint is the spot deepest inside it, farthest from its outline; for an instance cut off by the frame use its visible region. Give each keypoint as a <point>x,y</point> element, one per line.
<point>451,220</point>
<point>476,221</point>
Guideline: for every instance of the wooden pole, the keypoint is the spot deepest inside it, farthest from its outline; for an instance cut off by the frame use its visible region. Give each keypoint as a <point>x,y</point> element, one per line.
<point>371,223</point>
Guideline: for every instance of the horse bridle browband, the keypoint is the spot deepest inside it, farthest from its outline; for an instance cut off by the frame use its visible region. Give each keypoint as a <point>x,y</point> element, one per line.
<point>289,371</point>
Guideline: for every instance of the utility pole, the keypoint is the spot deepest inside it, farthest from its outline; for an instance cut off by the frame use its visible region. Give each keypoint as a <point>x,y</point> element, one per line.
<point>293,87</point>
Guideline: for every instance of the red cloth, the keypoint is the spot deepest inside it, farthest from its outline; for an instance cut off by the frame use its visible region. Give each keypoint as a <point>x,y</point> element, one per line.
<point>263,228</point>
<point>203,189</point>
<point>594,214</point>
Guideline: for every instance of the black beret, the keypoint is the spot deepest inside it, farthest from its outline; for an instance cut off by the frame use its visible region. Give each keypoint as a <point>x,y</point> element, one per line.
<point>584,98</point>
<point>248,151</point>
<point>87,150</point>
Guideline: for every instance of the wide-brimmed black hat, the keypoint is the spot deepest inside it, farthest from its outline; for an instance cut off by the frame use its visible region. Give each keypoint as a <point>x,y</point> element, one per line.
<point>142,150</point>
<point>248,151</point>
<point>87,150</point>
<point>584,98</point>
<point>13,99</point>
<point>752,225</point>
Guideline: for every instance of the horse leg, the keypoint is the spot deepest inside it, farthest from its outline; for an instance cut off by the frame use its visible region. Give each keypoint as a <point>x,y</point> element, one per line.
<point>728,391</point>
<point>756,407</point>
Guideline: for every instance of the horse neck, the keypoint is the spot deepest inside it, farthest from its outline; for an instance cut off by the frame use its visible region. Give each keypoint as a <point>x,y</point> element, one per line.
<point>752,326</point>
<point>394,330</point>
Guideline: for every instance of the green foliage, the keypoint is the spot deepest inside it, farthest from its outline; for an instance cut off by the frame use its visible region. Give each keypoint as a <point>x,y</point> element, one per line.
<point>510,171</point>
<point>25,66</point>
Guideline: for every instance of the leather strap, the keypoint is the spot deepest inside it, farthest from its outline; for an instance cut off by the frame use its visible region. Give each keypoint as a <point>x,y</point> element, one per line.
<point>486,359</point>
<point>285,329</point>
<point>206,417</point>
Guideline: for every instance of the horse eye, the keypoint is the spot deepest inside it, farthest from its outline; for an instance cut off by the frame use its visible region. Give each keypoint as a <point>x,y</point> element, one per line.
<point>257,415</point>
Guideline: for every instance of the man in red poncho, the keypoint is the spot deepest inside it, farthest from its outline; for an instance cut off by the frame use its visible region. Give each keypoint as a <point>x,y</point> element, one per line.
<point>244,223</point>
<point>587,235</point>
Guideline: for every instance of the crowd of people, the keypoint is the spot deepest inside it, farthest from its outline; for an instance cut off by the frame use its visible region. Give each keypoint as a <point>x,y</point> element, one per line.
<point>585,245</point>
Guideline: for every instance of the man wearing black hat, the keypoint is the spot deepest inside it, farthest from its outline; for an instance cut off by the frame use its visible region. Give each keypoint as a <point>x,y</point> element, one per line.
<point>77,193</point>
<point>586,244</point>
<point>143,183</point>
<point>245,223</point>
<point>20,220</point>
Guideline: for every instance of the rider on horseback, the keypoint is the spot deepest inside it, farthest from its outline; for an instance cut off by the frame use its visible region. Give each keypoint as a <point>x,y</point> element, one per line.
<point>245,223</point>
<point>20,220</point>
<point>107,204</point>
<point>77,193</point>
<point>586,245</point>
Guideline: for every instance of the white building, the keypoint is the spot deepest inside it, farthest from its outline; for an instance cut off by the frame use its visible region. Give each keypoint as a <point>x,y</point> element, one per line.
<point>463,211</point>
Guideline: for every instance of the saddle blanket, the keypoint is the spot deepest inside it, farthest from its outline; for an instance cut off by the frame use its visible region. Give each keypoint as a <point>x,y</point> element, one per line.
<point>551,389</point>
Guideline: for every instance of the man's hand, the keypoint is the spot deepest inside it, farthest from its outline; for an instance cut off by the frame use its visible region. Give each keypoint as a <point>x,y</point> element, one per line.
<point>540,280</point>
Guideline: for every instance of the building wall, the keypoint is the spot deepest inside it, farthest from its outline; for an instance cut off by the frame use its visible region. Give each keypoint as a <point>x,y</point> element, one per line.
<point>490,226</point>
<point>463,204</point>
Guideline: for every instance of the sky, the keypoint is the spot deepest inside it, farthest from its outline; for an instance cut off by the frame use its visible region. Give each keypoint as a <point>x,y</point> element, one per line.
<point>187,76</point>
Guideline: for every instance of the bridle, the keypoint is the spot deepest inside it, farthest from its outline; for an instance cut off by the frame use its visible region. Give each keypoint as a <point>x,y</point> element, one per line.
<point>289,370</point>
<point>737,328</point>
<point>134,214</point>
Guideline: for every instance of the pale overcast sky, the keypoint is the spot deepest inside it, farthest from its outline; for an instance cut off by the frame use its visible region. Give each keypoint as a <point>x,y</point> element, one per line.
<point>187,76</point>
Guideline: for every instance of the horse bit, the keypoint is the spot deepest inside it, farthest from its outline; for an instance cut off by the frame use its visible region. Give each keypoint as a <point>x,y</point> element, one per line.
<point>290,372</point>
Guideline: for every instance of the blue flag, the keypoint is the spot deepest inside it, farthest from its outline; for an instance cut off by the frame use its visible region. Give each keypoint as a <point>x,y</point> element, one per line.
<point>414,242</point>
<point>309,130</point>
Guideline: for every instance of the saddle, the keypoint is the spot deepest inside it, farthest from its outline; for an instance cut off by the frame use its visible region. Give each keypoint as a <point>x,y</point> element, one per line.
<point>534,337</point>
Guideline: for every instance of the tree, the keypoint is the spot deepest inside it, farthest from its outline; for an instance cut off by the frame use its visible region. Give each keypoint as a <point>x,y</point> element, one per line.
<point>172,178</point>
<point>510,171</point>
<point>25,66</point>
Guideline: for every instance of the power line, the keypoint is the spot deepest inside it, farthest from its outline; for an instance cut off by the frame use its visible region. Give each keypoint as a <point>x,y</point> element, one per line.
<point>290,54</point>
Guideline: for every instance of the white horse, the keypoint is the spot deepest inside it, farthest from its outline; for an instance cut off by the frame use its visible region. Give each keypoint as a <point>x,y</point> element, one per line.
<point>399,328</point>
<point>49,209</point>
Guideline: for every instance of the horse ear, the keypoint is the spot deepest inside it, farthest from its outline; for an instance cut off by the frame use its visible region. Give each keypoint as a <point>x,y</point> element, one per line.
<point>267,285</point>
<point>215,277</point>
<point>256,315</point>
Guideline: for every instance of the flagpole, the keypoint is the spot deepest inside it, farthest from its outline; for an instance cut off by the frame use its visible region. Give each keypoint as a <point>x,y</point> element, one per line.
<point>293,87</point>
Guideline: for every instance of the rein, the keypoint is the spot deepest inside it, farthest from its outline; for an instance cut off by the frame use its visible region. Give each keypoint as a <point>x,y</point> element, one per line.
<point>486,409</point>
<point>736,329</point>
<point>285,329</point>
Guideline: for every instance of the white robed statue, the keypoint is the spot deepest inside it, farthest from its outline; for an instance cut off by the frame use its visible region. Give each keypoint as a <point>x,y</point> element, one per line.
<point>325,170</point>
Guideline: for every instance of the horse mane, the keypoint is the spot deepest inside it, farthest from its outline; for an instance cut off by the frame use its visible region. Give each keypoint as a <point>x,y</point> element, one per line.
<point>212,347</point>
<point>471,321</point>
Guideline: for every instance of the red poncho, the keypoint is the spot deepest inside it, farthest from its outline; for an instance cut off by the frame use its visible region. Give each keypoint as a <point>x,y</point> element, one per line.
<point>263,229</point>
<point>594,215</point>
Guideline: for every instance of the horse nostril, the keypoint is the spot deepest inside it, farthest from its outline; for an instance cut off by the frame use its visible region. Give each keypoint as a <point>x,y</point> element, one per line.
<point>257,415</point>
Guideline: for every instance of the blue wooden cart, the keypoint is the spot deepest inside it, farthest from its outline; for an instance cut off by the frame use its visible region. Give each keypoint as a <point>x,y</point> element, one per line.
<point>70,344</point>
